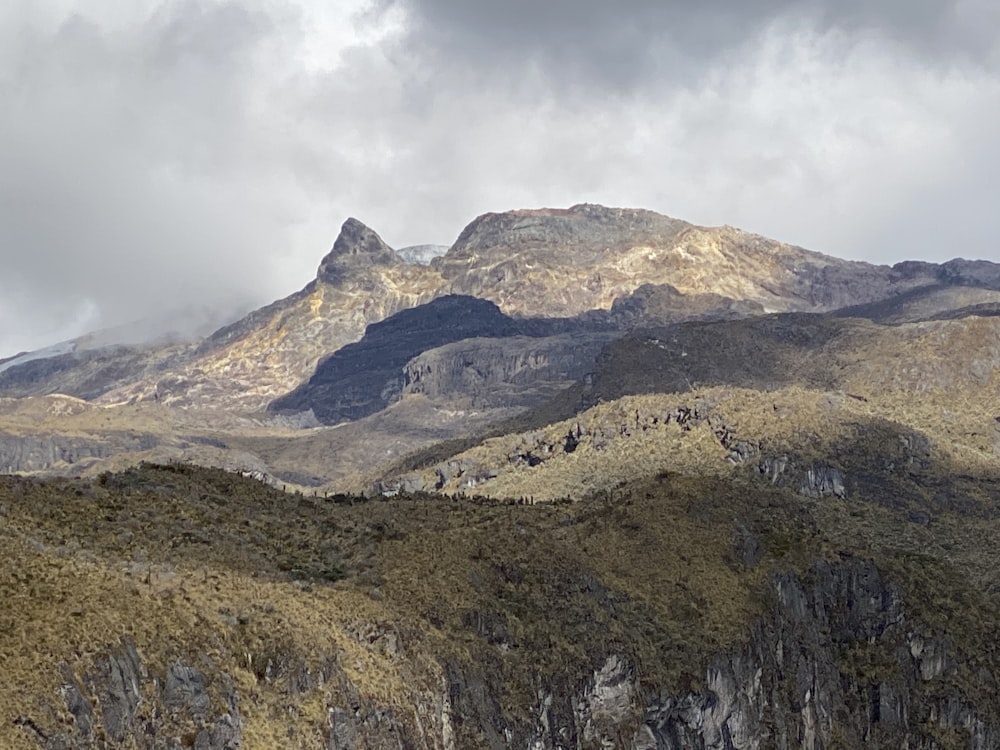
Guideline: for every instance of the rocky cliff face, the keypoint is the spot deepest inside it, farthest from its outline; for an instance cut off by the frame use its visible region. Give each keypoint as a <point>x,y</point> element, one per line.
<point>43,453</point>
<point>365,377</point>
<point>836,662</point>
<point>516,371</point>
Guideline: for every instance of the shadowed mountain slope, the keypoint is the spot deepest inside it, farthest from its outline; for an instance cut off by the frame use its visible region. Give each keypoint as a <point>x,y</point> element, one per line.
<point>937,378</point>
<point>362,378</point>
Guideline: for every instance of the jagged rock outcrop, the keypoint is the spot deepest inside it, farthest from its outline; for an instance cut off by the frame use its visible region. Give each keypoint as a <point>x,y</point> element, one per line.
<point>121,704</point>
<point>127,703</point>
<point>820,481</point>
<point>272,350</point>
<point>835,663</point>
<point>876,459</point>
<point>356,247</point>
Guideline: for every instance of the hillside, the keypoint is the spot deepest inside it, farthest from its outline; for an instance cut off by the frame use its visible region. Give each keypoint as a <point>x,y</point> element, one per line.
<point>199,609</point>
<point>803,377</point>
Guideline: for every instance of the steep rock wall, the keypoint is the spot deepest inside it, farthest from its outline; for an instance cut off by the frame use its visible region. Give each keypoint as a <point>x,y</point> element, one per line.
<point>835,662</point>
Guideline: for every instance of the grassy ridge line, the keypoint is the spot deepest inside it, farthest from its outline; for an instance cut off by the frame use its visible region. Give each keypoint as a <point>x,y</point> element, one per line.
<point>629,438</point>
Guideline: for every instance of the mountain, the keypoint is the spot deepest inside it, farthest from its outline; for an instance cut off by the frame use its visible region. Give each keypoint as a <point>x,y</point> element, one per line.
<point>563,262</point>
<point>531,263</point>
<point>591,478</point>
<point>569,281</point>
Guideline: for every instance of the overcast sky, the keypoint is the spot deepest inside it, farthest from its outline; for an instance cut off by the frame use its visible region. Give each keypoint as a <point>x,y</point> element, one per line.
<point>200,155</point>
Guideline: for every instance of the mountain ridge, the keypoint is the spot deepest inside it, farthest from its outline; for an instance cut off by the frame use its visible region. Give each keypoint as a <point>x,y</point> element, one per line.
<point>589,272</point>
<point>531,262</point>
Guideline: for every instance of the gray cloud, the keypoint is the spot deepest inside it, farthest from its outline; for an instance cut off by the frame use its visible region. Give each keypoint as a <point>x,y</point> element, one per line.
<point>202,154</point>
<point>625,45</point>
<point>134,166</point>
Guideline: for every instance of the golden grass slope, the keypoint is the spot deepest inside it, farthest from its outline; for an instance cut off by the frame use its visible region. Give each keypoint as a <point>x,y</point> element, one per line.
<point>201,566</point>
<point>204,567</point>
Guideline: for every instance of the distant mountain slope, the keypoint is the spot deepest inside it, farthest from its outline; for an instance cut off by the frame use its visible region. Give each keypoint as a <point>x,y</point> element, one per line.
<point>936,359</point>
<point>564,261</point>
<point>547,262</point>
<point>89,373</point>
<point>936,379</point>
<point>266,354</point>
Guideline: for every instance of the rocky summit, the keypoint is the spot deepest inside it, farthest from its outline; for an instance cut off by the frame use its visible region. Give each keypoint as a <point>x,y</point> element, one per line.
<point>587,478</point>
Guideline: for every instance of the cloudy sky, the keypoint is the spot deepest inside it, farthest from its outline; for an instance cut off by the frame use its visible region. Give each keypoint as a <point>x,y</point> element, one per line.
<point>197,156</point>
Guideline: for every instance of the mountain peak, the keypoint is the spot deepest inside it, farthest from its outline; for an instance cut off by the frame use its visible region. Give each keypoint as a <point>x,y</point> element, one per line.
<point>357,244</point>
<point>585,230</point>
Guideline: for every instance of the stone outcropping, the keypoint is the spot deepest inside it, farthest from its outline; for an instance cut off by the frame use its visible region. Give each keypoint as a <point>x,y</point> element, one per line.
<point>516,371</point>
<point>835,661</point>
<point>120,703</point>
<point>244,366</point>
<point>44,453</point>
